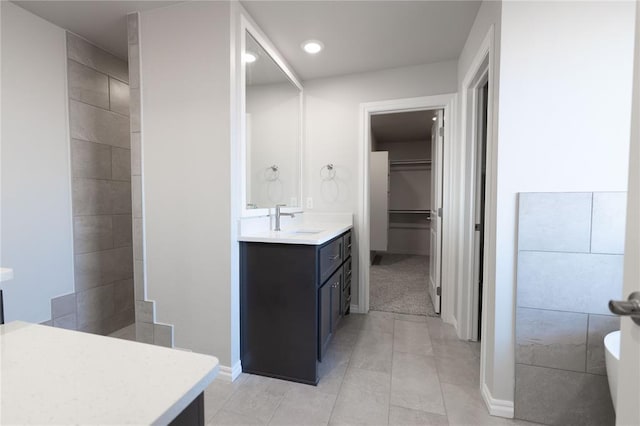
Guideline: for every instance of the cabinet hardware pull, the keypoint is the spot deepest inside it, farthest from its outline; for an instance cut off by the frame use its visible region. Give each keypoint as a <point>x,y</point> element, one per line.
<point>334,257</point>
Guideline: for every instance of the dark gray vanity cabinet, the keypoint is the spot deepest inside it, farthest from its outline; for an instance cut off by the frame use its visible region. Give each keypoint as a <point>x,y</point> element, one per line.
<point>292,297</point>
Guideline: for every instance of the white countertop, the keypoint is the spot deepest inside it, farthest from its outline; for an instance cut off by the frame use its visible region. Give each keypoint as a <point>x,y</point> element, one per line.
<point>307,234</point>
<point>56,376</point>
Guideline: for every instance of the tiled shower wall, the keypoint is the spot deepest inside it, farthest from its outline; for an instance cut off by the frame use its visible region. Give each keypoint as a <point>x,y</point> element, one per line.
<point>570,264</point>
<point>147,329</point>
<point>101,186</point>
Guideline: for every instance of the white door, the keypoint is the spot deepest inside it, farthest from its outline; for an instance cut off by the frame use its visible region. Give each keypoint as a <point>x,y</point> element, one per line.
<point>628,406</point>
<point>435,249</point>
<point>379,196</point>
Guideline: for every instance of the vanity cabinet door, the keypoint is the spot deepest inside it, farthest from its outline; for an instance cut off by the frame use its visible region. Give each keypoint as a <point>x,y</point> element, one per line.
<point>324,323</point>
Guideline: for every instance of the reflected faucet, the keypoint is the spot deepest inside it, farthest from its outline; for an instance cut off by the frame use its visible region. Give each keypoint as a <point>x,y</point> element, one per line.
<point>278,214</point>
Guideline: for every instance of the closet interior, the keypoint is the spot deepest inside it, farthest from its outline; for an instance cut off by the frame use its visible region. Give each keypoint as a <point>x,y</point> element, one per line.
<point>400,176</point>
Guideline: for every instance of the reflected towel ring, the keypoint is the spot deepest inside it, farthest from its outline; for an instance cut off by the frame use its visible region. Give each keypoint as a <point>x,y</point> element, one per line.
<point>329,174</point>
<point>272,173</point>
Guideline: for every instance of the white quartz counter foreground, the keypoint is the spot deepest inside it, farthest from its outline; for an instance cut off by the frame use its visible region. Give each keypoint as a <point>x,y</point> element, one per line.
<point>55,376</point>
<point>307,234</point>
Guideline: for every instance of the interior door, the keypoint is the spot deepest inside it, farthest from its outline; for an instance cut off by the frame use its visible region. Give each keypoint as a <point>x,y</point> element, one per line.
<point>435,227</point>
<point>379,196</point>
<point>628,409</point>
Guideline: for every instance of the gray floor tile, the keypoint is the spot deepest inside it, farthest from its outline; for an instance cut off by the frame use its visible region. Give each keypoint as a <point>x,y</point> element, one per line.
<point>375,381</point>
<point>412,337</point>
<point>400,416</point>
<point>415,383</point>
<point>459,371</point>
<point>304,406</point>
<point>358,406</point>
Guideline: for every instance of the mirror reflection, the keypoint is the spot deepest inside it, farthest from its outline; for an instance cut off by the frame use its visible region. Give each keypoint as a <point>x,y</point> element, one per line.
<point>272,131</point>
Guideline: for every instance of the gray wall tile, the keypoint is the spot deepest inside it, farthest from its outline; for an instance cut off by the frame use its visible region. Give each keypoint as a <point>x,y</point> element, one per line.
<point>138,280</point>
<point>551,339</point>
<point>122,230</point>
<point>63,305</point>
<point>554,221</point>
<point>48,323</point>
<point>145,311</point>
<point>90,160</point>
<point>572,282</point>
<point>599,326</point>
<point>120,164</point>
<point>122,319</point>
<point>121,197</point>
<point>163,335</point>
<point>138,253</point>
<point>132,28</point>
<point>144,332</point>
<point>69,322</point>
<point>91,197</point>
<point>609,216</point>
<point>136,194</point>
<point>136,154</point>
<point>123,297</point>
<point>119,96</point>
<point>103,267</point>
<point>92,233</point>
<point>95,306</point>
<point>98,125</point>
<point>87,85</point>
<point>134,99</point>
<point>84,52</point>
<point>558,397</point>
<point>134,66</point>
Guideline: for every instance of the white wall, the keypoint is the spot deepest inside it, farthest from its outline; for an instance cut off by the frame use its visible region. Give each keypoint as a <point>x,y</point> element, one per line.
<point>37,239</point>
<point>186,145</point>
<point>332,126</point>
<point>564,106</point>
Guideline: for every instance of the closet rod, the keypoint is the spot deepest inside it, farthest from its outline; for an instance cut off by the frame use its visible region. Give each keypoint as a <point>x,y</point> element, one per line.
<point>410,162</point>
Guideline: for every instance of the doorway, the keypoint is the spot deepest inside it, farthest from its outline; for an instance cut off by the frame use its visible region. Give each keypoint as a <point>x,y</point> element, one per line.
<point>405,177</point>
<point>447,104</point>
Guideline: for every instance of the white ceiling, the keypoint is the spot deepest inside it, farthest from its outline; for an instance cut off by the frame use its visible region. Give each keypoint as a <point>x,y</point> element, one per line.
<point>103,23</point>
<point>358,35</point>
<point>364,35</point>
<point>402,126</point>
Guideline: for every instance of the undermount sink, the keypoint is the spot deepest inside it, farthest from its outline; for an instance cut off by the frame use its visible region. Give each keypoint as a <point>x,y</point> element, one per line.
<point>306,231</point>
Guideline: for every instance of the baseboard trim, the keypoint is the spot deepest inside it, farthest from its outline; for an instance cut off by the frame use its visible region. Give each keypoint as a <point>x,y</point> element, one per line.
<point>497,407</point>
<point>356,309</point>
<point>229,374</point>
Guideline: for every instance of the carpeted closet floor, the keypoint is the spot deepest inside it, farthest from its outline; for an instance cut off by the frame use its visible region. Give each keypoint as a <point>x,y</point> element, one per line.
<point>399,283</point>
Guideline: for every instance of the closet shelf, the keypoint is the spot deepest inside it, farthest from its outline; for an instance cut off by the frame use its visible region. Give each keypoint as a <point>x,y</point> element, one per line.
<point>410,211</point>
<point>416,162</point>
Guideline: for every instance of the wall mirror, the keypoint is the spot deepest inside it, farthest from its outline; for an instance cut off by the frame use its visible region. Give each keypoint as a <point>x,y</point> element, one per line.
<point>273,117</point>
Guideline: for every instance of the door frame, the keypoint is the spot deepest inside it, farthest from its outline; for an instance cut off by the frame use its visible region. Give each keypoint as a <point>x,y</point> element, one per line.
<point>447,102</point>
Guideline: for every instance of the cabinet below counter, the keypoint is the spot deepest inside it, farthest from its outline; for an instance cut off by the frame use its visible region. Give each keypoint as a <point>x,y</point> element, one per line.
<point>292,297</point>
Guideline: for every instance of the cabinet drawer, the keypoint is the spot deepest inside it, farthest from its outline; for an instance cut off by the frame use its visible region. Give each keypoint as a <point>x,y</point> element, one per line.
<point>346,243</point>
<point>330,259</point>
<point>346,295</point>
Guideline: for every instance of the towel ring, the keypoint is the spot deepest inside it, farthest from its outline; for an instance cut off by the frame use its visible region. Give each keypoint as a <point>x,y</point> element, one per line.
<point>330,172</point>
<point>272,173</point>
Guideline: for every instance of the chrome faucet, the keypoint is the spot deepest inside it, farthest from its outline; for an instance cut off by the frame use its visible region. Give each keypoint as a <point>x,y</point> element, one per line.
<point>278,214</point>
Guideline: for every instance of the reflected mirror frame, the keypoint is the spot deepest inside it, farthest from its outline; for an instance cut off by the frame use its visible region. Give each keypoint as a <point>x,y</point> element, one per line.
<point>246,26</point>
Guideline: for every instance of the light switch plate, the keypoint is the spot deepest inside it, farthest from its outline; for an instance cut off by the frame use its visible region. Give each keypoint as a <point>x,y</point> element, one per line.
<point>309,202</point>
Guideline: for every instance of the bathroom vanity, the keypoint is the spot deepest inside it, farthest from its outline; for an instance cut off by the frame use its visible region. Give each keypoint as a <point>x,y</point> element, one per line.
<point>295,286</point>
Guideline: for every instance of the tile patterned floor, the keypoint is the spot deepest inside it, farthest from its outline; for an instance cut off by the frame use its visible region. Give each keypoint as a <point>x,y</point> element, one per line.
<point>381,369</point>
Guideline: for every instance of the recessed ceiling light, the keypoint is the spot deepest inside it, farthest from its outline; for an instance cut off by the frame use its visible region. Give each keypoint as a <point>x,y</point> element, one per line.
<point>434,118</point>
<point>249,57</point>
<point>312,46</point>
